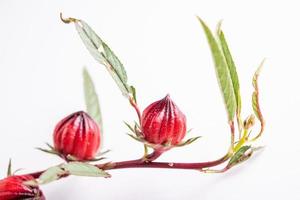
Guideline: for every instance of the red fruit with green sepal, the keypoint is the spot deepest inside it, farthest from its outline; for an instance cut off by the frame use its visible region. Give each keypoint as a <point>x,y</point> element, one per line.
<point>78,136</point>
<point>14,188</point>
<point>163,123</point>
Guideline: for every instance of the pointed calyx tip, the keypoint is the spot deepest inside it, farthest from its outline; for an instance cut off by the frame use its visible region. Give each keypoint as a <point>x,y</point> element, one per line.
<point>167,97</point>
<point>67,20</point>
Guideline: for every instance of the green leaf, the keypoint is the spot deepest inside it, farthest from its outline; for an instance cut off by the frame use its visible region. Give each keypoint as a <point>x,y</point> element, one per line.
<point>103,54</point>
<point>91,99</point>
<point>84,169</point>
<point>133,92</point>
<point>222,71</point>
<point>235,159</point>
<point>9,171</point>
<point>51,174</point>
<point>115,62</point>
<point>232,69</point>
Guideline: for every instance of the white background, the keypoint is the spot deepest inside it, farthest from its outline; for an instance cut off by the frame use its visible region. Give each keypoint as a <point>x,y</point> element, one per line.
<point>164,50</point>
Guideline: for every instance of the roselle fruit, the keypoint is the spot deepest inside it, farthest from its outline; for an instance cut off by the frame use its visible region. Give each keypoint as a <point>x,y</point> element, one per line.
<point>163,123</point>
<point>78,136</point>
<point>13,188</point>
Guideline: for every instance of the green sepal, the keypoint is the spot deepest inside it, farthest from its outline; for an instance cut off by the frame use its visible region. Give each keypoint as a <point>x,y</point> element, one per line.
<point>51,150</point>
<point>9,170</point>
<point>129,127</point>
<point>188,141</point>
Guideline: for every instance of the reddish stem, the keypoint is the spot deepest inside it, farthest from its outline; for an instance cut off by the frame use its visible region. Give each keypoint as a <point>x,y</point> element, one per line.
<point>142,163</point>
<point>153,156</point>
<point>137,110</point>
<point>168,165</point>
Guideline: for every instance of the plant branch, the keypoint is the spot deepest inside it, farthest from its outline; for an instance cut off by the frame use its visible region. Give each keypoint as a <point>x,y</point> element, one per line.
<point>142,163</point>
<point>139,163</point>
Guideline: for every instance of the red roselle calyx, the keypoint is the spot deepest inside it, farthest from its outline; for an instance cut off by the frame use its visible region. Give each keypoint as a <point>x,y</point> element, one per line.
<point>13,188</point>
<point>77,135</point>
<point>163,123</point>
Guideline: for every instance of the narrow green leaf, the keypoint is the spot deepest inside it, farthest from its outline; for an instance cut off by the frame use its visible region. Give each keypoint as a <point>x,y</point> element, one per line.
<point>9,171</point>
<point>51,174</point>
<point>133,92</point>
<point>48,151</point>
<point>91,99</point>
<point>91,40</point>
<point>84,169</point>
<point>238,155</point>
<point>187,142</point>
<point>232,69</point>
<point>129,127</point>
<point>103,54</point>
<point>255,103</point>
<point>222,71</point>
